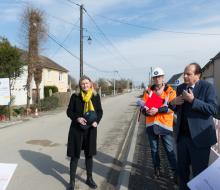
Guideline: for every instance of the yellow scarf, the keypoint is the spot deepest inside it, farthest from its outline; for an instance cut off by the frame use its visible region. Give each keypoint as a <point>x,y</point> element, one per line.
<point>87,99</point>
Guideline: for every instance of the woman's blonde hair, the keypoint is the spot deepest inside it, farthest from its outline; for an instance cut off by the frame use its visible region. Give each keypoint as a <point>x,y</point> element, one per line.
<point>84,77</point>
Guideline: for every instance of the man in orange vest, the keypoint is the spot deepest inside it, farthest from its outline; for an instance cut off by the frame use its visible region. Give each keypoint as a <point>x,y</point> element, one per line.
<point>159,122</point>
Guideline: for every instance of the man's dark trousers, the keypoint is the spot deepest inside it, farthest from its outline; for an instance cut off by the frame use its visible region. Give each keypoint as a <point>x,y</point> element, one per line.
<point>188,154</point>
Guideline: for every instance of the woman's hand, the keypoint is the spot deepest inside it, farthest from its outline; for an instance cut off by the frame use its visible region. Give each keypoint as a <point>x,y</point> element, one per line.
<point>95,124</point>
<point>81,120</point>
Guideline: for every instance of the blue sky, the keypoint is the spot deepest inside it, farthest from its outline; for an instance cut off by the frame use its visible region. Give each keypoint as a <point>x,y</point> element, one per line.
<point>128,36</point>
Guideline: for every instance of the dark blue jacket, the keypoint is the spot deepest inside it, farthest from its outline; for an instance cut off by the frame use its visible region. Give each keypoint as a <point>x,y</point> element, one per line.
<point>199,114</point>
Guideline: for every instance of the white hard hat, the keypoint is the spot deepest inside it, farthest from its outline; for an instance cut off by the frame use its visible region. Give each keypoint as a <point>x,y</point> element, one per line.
<point>158,72</point>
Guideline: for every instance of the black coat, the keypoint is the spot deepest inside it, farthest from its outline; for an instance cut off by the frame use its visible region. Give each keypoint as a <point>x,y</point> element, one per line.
<point>79,139</point>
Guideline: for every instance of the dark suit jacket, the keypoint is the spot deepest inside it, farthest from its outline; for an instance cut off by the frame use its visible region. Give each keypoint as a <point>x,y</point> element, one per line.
<point>200,112</point>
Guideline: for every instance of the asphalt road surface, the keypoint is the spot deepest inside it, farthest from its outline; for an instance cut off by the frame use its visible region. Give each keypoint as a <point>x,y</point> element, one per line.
<point>38,146</point>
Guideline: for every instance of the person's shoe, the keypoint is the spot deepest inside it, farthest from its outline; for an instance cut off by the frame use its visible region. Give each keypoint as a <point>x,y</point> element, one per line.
<point>156,173</point>
<point>71,186</point>
<point>91,183</point>
<point>173,177</point>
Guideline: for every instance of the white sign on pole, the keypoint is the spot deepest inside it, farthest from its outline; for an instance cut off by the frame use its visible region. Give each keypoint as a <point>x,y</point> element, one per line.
<point>6,172</point>
<point>4,91</point>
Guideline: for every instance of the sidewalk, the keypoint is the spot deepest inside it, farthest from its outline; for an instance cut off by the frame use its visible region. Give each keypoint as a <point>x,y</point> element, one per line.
<point>17,120</point>
<point>138,169</point>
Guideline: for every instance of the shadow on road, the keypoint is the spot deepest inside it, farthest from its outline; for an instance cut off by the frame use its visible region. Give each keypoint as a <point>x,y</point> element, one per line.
<point>46,164</point>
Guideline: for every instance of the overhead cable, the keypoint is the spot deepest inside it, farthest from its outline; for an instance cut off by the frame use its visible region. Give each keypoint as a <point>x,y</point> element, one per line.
<point>158,29</point>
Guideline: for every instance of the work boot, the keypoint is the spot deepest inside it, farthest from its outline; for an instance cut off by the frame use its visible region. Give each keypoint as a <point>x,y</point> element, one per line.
<point>91,183</point>
<point>156,172</point>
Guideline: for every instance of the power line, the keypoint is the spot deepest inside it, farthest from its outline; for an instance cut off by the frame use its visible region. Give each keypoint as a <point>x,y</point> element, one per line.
<point>52,38</point>
<point>158,29</point>
<point>63,20</point>
<point>67,36</point>
<point>76,57</point>
<point>125,60</point>
<point>73,3</point>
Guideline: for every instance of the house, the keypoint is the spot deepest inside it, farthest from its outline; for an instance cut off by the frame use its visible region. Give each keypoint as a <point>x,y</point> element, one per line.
<point>52,75</point>
<point>210,72</point>
<point>175,80</point>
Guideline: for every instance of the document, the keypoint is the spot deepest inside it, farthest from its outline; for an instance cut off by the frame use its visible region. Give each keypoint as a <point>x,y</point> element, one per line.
<point>6,172</point>
<point>154,100</point>
<point>209,179</point>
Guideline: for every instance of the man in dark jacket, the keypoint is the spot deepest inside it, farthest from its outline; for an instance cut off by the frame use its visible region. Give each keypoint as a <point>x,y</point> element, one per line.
<point>195,105</point>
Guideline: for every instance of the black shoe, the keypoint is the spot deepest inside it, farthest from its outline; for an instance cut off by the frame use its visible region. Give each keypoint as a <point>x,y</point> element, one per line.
<point>90,182</point>
<point>156,173</point>
<point>173,177</point>
<point>70,187</point>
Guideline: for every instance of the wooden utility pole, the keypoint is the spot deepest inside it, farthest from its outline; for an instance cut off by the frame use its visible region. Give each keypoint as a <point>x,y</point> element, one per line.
<point>81,40</point>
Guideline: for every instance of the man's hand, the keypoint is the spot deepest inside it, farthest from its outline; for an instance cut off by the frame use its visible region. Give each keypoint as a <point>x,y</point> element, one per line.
<point>177,101</point>
<point>152,111</point>
<point>188,96</point>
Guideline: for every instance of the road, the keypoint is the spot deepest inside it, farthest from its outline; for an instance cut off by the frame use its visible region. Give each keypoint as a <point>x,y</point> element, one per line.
<point>38,147</point>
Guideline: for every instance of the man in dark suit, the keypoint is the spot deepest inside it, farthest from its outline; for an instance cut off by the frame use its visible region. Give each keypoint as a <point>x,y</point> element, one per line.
<point>195,105</point>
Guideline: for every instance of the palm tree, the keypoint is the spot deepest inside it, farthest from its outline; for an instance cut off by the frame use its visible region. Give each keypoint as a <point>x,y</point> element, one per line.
<point>34,24</point>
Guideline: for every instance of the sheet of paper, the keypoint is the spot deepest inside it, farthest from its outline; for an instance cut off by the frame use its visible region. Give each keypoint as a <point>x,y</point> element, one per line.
<point>6,172</point>
<point>209,179</point>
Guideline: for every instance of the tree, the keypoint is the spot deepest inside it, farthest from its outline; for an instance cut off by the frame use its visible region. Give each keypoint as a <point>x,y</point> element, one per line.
<point>11,65</point>
<point>34,29</point>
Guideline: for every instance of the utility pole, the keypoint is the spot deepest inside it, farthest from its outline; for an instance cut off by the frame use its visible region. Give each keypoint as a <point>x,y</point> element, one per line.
<point>81,40</point>
<point>151,72</point>
<point>114,82</point>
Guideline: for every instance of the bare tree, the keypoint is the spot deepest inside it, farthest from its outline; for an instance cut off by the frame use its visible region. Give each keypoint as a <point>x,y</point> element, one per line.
<point>34,27</point>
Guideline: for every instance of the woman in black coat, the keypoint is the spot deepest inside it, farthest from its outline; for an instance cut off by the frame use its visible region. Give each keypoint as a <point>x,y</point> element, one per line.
<point>80,136</point>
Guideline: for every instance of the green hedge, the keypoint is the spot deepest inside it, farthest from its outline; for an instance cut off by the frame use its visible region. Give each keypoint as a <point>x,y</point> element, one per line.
<point>49,103</point>
<point>47,89</point>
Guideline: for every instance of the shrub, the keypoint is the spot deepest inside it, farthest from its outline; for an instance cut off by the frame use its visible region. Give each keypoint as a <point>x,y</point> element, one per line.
<point>47,90</point>
<point>49,103</point>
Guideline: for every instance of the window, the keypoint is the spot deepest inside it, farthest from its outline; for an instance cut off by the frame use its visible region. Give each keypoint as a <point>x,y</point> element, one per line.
<point>48,74</point>
<point>60,76</point>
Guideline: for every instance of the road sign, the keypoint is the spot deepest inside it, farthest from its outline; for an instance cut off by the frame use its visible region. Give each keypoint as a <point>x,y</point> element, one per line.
<point>177,81</point>
<point>4,91</point>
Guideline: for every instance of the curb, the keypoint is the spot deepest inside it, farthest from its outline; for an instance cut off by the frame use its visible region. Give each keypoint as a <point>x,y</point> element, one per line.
<point>8,124</point>
<point>124,176</point>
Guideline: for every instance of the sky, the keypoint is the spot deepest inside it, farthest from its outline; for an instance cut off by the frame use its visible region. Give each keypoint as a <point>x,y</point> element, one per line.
<point>128,37</point>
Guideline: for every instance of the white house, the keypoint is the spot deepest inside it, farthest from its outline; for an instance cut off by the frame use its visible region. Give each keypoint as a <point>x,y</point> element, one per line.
<point>52,75</point>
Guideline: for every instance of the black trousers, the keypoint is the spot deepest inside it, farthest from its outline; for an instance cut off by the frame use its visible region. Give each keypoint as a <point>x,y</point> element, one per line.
<point>188,154</point>
<point>73,167</point>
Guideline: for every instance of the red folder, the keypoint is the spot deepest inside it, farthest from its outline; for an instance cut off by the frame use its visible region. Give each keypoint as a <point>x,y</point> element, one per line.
<point>154,100</point>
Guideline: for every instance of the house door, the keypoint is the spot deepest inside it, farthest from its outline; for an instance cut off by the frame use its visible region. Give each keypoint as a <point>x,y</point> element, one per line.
<point>34,96</point>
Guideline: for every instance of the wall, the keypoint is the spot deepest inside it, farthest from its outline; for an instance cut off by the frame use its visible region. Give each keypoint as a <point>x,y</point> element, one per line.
<point>51,78</point>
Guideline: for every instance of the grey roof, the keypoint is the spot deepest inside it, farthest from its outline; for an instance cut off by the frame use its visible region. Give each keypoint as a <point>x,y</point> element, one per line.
<point>174,78</point>
<point>211,61</point>
<point>45,62</point>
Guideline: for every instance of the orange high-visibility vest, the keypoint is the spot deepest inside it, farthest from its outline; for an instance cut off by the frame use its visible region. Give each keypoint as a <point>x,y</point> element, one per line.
<point>164,120</point>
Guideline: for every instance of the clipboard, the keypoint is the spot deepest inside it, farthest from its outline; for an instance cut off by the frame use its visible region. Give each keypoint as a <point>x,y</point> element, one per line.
<point>153,100</point>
